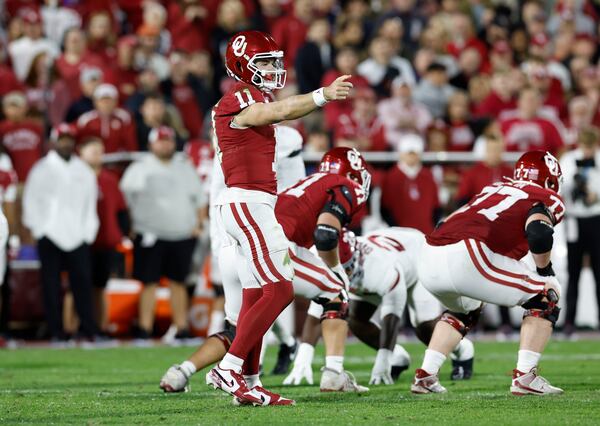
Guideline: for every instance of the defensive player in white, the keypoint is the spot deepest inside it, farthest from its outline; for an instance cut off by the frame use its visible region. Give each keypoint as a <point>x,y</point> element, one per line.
<point>382,270</point>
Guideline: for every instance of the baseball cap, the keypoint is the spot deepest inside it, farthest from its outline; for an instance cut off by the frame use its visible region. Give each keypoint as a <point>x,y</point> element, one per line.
<point>106,91</point>
<point>61,130</point>
<point>90,73</point>
<point>14,98</point>
<point>161,133</point>
<point>146,30</point>
<point>411,143</point>
<point>30,16</point>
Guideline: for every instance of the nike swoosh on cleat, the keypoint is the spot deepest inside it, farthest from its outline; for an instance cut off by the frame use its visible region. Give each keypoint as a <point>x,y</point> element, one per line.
<point>223,379</point>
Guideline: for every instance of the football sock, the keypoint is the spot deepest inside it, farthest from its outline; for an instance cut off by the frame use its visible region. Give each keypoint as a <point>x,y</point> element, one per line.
<point>231,362</point>
<point>252,380</point>
<point>527,360</point>
<point>188,368</point>
<point>433,360</point>
<point>252,363</point>
<point>252,326</point>
<point>217,322</point>
<point>335,363</point>
<point>463,351</point>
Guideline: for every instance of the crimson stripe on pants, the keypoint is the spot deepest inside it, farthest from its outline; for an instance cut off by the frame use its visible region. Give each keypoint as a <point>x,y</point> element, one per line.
<point>312,267</point>
<point>314,281</point>
<point>492,278</point>
<point>257,264</point>
<point>504,271</point>
<point>263,243</point>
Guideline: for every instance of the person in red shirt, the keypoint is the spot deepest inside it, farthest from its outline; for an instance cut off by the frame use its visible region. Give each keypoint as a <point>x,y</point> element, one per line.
<point>114,224</point>
<point>108,122</point>
<point>484,173</point>
<point>500,99</point>
<point>474,257</point>
<point>526,130</point>
<point>100,30</point>
<point>550,87</point>
<point>290,31</point>
<point>346,61</point>
<point>21,137</point>
<point>361,129</point>
<point>461,136</point>
<point>189,23</point>
<point>409,194</point>
<point>8,81</point>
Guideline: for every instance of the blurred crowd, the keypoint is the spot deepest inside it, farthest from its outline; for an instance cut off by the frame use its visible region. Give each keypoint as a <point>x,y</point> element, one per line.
<point>112,76</point>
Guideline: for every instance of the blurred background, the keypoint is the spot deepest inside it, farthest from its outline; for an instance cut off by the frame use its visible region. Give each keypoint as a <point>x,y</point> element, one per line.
<point>447,94</point>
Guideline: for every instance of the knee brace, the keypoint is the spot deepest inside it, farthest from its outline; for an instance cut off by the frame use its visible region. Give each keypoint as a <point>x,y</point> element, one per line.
<point>335,310</point>
<point>463,323</point>
<point>539,236</point>
<point>326,237</point>
<point>226,336</point>
<point>541,306</point>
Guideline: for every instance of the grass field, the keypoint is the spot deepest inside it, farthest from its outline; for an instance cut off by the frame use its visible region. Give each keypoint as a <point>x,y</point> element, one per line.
<point>120,386</point>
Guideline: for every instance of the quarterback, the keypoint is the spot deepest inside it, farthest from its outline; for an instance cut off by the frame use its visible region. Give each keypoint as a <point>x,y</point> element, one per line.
<point>243,122</point>
<point>474,257</point>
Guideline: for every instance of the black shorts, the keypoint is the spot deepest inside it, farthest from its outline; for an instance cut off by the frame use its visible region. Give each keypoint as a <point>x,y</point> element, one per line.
<point>170,259</point>
<point>103,262</point>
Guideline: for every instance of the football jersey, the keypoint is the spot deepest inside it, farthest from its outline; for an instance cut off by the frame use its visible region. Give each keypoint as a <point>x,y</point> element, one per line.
<point>497,216</point>
<point>386,256</point>
<point>246,155</point>
<point>299,206</point>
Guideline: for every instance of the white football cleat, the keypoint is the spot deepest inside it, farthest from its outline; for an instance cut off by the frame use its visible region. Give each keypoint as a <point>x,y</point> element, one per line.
<point>267,397</point>
<point>174,380</point>
<point>333,381</point>
<point>532,384</point>
<point>233,383</point>
<point>426,383</point>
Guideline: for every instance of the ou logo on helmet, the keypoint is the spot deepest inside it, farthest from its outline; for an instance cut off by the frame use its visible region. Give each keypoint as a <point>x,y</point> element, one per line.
<point>239,45</point>
<point>552,164</point>
<point>355,159</point>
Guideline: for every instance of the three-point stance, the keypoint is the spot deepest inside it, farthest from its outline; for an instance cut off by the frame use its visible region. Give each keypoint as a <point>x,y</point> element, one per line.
<point>245,146</point>
<point>473,257</point>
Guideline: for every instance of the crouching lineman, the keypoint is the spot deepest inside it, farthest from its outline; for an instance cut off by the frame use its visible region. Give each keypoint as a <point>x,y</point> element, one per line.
<point>311,212</point>
<point>381,267</point>
<point>473,257</point>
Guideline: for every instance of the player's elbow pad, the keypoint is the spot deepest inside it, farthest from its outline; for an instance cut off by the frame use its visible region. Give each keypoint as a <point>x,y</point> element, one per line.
<point>326,237</point>
<point>539,236</point>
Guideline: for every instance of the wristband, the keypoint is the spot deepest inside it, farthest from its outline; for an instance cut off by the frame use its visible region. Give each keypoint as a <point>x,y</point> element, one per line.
<point>546,271</point>
<point>319,97</point>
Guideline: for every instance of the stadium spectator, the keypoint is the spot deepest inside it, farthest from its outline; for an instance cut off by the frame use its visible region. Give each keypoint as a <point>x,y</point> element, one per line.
<point>188,25</point>
<point>500,99</point>
<point>154,113</point>
<point>581,192</point>
<point>108,122</point>
<point>541,48</point>
<point>125,73</point>
<point>383,65</point>
<point>89,79</point>
<point>526,129</point>
<point>581,116</point>
<point>187,93</point>
<point>147,52</point>
<point>147,84</point>
<point>361,129</point>
<point>462,129</point>
<point>22,137</point>
<point>433,90</point>
<point>409,194</point>
<point>113,226</point>
<point>400,115</point>
<point>501,57</point>
<point>57,20</point>
<point>266,15</point>
<point>346,61</point>
<point>314,57</point>
<point>412,21</point>
<point>290,30</point>
<point>353,26</point>
<point>101,36</point>
<point>59,208</point>
<point>155,16</point>
<point>165,198</point>
<point>8,79</point>
<point>550,88</point>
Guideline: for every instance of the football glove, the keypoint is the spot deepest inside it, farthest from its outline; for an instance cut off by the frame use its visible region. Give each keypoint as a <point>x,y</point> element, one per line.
<point>382,369</point>
<point>302,366</point>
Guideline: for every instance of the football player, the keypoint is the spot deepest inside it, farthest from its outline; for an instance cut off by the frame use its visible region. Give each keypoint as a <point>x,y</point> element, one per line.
<point>312,212</point>
<point>381,267</point>
<point>474,257</point>
<point>243,122</point>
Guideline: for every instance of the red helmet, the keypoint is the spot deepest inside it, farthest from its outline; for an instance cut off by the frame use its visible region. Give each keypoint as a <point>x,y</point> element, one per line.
<point>350,257</point>
<point>350,163</point>
<point>245,49</point>
<point>539,167</point>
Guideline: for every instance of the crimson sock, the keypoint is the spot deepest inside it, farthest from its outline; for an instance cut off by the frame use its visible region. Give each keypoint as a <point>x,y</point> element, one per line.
<point>253,325</point>
<point>252,362</point>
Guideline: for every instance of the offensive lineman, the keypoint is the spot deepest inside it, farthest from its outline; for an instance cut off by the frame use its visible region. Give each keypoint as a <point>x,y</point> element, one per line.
<point>245,146</point>
<point>473,257</point>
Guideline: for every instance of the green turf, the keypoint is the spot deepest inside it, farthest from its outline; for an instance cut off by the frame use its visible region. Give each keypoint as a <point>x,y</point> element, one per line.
<point>120,386</point>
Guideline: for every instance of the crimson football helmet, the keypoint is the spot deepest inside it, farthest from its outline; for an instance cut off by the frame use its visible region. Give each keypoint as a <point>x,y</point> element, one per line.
<point>245,49</point>
<point>350,257</point>
<point>539,167</point>
<point>350,163</point>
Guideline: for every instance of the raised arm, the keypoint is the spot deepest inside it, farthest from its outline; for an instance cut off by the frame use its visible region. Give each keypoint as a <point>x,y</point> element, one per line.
<point>260,114</point>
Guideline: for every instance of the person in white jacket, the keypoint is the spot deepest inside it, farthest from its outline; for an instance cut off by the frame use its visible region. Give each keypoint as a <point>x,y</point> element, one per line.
<point>59,208</point>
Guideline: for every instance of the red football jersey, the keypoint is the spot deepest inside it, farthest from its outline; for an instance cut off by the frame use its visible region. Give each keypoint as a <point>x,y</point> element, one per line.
<point>497,216</point>
<point>299,206</point>
<point>247,156</point>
